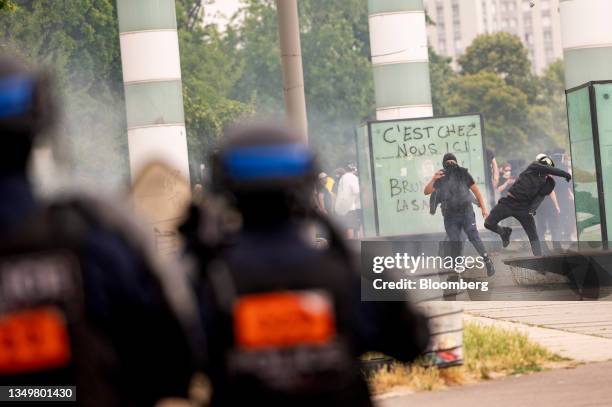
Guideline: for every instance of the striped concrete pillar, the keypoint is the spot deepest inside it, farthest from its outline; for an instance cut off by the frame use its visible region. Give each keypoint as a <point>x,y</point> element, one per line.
<point>587,40</point>
<point>152,79</point>
<point>398,40</point>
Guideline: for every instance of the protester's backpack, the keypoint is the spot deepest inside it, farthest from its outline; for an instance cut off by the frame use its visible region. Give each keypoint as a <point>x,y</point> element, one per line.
<point>453,192</point>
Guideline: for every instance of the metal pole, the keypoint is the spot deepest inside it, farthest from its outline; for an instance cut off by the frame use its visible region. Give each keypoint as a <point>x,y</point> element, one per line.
<point>291,60</point>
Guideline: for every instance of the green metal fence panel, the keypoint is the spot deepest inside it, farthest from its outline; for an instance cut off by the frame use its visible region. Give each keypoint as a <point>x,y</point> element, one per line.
<point>603,103</point>
<point>584,165</point>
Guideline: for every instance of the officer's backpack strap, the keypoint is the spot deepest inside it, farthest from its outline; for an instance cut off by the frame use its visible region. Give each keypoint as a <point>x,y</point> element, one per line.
<point>223,285</point>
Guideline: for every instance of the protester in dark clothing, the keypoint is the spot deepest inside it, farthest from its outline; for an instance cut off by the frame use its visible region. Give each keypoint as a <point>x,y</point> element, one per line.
<point>454,186</point>
<point>531,187</point>
<point>284,320</point>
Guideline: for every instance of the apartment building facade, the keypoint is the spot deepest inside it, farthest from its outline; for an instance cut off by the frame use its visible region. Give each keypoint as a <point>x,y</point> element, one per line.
<point>457,22</point>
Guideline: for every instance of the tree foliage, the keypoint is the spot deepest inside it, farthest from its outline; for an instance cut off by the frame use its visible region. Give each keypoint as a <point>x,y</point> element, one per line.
<point>441,77</point>
<point>522,111</point>
<point>337,70</point>
<point>78,40</point>
<point>503,54</point>
<point>209,74</point>
<point>504,108</point>
<point>232,73</point>
<point>7,5</point>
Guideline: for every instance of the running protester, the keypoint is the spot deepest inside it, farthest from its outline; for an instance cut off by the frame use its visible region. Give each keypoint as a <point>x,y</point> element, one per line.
<point>455,189</point>
<point>524,197</point>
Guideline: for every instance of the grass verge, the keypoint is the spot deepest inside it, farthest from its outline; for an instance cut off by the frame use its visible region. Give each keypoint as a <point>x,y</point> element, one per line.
<point>488,352</point>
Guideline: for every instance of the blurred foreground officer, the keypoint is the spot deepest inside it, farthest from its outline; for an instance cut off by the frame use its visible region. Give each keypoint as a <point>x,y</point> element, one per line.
<point>80,301</point>
<point>284,321</point>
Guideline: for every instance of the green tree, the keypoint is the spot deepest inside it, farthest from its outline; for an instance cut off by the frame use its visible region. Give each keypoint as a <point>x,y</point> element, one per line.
<point>441,76</point>
<point>7,5</point>
<point>504,107</point>
<point>503,54</point>
<point>209,74</point>
<point>553,95</point>
<point>337,71</point>
<point>547,123</point>
<point>78,41</point>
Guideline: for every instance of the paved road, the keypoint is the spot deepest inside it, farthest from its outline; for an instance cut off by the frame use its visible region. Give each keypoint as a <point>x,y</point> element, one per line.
<point>584,386</point>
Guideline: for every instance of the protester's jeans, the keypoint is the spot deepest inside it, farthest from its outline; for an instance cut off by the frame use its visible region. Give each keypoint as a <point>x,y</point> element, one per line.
<point>466,222</point>
<point>503,211</point>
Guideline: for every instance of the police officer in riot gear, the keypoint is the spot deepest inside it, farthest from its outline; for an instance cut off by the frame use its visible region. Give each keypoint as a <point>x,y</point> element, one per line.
<point>283,318</point>
<point>81,303</point>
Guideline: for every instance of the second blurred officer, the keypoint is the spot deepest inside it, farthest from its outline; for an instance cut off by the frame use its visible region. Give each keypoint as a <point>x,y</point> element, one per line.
<point>284,321</point>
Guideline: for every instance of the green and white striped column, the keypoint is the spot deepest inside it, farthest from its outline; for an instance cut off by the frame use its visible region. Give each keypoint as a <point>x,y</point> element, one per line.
<point>152,79</point>
<point>586,28</point>
<point>398,40</point>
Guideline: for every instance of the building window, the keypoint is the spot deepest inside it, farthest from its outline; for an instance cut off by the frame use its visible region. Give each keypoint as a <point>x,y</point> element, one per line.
<point>546,20</point>
<point>456,12</point>
<point>442,46</point>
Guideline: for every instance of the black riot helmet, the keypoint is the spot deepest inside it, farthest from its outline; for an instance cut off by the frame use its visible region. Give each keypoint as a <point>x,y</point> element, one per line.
<point>268,170</point>
<point>26,110</point>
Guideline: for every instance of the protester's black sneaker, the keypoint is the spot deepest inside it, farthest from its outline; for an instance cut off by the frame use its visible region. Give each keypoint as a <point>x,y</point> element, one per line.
<point>506,236</point>
<point>489,266</point>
